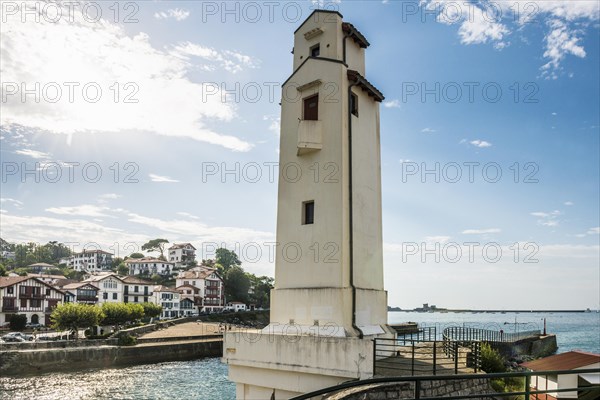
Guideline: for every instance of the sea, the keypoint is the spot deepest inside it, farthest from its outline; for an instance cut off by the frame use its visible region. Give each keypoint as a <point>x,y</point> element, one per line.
<point>206,379</point>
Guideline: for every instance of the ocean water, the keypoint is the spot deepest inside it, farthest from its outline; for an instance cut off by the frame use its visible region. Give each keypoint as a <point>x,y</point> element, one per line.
<point>206,379</point>
<point>574,331</point>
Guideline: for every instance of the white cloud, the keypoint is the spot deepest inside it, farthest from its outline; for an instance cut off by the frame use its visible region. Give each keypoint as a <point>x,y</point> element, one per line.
<point>547,218</point>
<point>275,123</point>
<point>86,210</point>
<point>174,13</point>
<point>392,104</point>
<point>480,143</point>
<point>110,196</point>
<point>480,231</point>
<point>16,203</point>
<point>569,203</point>
<point>231,61</point>
<point>160,178</point>
<point>99,54</point>
<point>594,231</point>
<point>560,42</point>
<point>188,215</point>
<point>437,239</point>
<point>402,160</point>
<point>33,153</point>
<point>427,130</point>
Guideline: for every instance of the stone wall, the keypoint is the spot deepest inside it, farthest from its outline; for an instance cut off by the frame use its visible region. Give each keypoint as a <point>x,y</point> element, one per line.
<point>28,362</point>
<point>406,390</point>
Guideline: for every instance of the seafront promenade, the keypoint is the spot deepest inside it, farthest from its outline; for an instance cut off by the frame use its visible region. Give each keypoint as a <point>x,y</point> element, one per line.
<point>178,342</point>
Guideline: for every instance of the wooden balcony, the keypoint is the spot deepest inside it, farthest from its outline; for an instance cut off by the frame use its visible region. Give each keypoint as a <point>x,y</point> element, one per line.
<point>10,308</point>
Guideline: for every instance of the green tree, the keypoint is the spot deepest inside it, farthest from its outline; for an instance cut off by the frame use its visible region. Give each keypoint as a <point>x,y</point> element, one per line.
<point>135,255</point>
<point>227,258</point>
<point>151,310</point>
<point>122,269</point>
<point>261,290</point>
<point>18,322</point>
<point>136,311</point>
<point>74,316</point>
<point>236,284</point>
<point>3,270</point>
<point>115,263</point>
<point>116,314</point>
<point>156,245</point>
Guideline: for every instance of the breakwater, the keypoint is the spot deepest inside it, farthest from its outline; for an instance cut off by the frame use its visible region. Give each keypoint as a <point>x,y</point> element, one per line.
<point>21,362</point>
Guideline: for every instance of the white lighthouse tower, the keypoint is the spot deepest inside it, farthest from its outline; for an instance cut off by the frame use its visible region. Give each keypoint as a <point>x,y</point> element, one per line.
<point>328,302</point>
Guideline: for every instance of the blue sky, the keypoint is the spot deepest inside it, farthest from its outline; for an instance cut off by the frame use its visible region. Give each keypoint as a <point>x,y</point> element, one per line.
<point>533,108</point>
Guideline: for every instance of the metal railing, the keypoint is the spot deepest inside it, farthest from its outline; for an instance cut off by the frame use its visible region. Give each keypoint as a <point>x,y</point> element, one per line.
<point>464,334</point>
<point>525,378</point>
<point>405,356</point>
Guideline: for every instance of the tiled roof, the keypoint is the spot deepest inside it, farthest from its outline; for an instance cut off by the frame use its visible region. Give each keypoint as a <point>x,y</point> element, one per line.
<point>133,279</point>
<point>77,285</point>
<point>96,278</point>
<point>47,276</point>
<point>42,265</point>
<point>146,261</point>
<point>564,361</point>
<point>353,33</point>
<point>6,281</point>
<point>365,85</point>
<point>181,246</point>
<point>161,288</point>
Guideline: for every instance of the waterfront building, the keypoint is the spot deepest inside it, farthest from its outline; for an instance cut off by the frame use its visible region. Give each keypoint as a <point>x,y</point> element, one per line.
<point>236,306</point>
<point>571,360</point>
<point>91,261</point>
<point>28,296</point>
<point>332,300</point>
<point>81,292</point>
<point>210,285</point>
<point>192,294</point>
<point>136,290</point>
<point>169,299</point>
<point>181,254</point>
<point>110,287</point>
<point>149,266</point>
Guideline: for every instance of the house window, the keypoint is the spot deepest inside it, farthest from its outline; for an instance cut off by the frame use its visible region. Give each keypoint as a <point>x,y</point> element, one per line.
<point>47,292</point>
<point>311,108</point>
<point>105,296</point>
<point>308,212</point>
<point>135,299</point>
<point>10,290</point>
<point>354,104</point>
<point>315,51</point>
<point>114,296</point>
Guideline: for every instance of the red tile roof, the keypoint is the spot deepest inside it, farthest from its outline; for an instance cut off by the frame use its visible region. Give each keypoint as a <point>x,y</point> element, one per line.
<point>11,280</point>
<point>564,361</point>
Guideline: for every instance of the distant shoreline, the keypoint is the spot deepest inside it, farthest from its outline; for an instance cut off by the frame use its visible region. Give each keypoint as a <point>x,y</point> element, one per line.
<point>443,310</point>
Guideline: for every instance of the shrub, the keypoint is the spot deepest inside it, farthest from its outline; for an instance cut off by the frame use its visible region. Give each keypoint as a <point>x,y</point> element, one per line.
<point>126,340</point>
<point>491,360</point>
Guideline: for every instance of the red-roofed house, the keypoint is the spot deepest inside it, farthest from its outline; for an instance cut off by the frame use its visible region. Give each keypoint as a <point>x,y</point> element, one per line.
<point>571,360</point>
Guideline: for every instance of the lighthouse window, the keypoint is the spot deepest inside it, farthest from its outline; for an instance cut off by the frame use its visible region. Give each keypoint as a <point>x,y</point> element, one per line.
<point>315,51</point>
<point>308,212</point>
<point>354,104</point>
<point>311,108</point>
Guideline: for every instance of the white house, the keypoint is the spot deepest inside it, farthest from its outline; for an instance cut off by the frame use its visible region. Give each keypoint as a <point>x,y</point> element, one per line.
<point>571,360</point>
<point>136,290</point>
<point>149,266</point>
<point>182,253</point>
<point>91,261</point>
<point>29,296</point>
<point>110,287</point>
<point>193,299</point>
<point>169,299</point>
<point>236,306</point>
<point>210,286</point>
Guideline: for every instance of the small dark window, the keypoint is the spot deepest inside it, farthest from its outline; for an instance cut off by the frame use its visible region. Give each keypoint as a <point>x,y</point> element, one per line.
<point>10,290</point>
<point>315,51</point>
<point>354,104</point>
<point>105,296</point>
<point>308,212</point>
<point>311,108</point>
<point>114,296</point>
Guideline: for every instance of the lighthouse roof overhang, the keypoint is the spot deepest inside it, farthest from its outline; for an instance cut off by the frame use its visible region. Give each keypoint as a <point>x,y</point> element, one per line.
<point>365,85</point>
<point>355,34</point>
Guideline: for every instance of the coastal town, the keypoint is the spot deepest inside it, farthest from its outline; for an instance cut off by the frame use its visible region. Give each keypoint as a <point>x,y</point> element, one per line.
<point>174,281</point>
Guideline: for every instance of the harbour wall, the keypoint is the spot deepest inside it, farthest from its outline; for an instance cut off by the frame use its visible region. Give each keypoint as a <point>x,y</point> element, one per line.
<point>38,361</point>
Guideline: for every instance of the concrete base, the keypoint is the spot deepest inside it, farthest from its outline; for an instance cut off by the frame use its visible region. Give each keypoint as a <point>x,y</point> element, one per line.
<point>287,365</point>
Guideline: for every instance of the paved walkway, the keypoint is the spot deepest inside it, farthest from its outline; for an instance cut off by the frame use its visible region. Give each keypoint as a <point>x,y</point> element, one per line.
<point>185,329</point>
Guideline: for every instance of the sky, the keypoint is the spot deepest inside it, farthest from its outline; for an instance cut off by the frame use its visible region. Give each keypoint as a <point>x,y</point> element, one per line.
<point>126,121</point>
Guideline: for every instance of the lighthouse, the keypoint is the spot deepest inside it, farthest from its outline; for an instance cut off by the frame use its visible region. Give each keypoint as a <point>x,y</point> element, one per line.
<point>328,303</point>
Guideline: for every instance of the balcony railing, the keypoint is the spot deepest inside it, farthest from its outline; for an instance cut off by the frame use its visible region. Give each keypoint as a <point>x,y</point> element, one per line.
<point>8,308</point>
<point>87,298</point>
